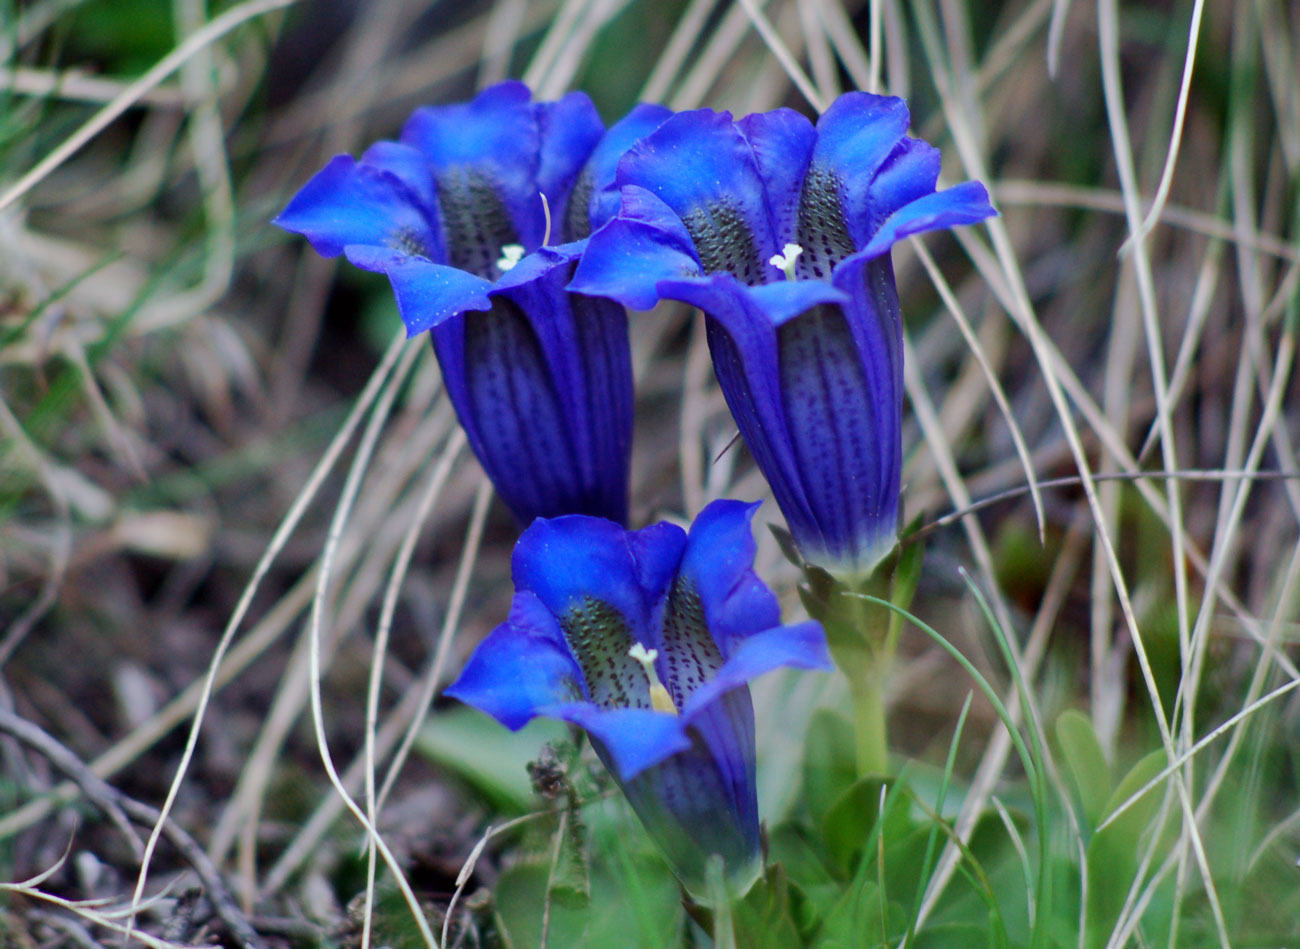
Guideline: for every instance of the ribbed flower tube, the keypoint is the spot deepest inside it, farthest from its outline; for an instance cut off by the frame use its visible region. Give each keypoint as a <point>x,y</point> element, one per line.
<point>780,232</point>
<point>478,216</point>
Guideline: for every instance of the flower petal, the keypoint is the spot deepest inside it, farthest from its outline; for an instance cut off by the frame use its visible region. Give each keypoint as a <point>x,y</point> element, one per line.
<point>782,141</point>
<point>348,202</point>
<point>484,157</point>
<point>631,739</point>
<point>909,173</point>
<point>595,200</point>
<point>521,669</point>
<point>570,129</point>
<point>742,342</point>
<point>498,377</point>
<point>843,399</point>
<point>412,169</point>
<point>966,203</point>
<point>798,646</point>
<point>701,166</point>
<point>855,137</point>
<point>718,564</point>
<point>702,801</point>
<point>590,577</point>
<point>584,343</point>
<point>569,560</point>
<point>628,257</point>
<point>427,294</point>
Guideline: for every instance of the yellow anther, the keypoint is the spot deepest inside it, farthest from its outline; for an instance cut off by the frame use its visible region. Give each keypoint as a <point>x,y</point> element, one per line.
<point>660,700</point>
<point>785,260</point>
<point>511,254</point>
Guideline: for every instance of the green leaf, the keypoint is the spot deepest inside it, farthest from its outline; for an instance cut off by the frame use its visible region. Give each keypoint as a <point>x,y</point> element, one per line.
<point>829,762</point>
<point>634,904</point>
<point>911,557</point>
<point>785,540</point>
<point>1087,763</point>
<point>489,757</point>
<point>849,821</point>
<point>1112,854</point>
<point>1135,819</point>
<point>764,919</point>
<point>520,898</point>
<point>862,918</point>
<point>788,846</point>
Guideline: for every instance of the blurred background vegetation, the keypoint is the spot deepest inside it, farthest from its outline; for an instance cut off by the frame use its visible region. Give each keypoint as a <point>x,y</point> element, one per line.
<point>191,404</point>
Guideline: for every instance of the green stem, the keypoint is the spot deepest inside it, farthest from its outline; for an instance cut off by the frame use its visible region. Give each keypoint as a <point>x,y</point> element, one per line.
<point>869,726</point>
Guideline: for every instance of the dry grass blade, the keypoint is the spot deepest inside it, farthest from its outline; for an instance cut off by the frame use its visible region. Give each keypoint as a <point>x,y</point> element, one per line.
<point>195,42</point>
<point>277,543</point>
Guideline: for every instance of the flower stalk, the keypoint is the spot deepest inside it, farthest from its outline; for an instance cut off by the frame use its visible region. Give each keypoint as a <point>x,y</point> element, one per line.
<point>863,637</point>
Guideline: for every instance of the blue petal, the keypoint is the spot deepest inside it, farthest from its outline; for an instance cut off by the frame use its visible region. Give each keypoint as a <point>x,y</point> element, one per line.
<point>590,573</point>
<point>772,303</point>
<point>499,380</point>
<point>627,258</point>
<point>742,342</point>
<point>537,266</point>
<point>484,157</point>
<point>909,173</point>
<point>701,166</point>
<point>798,646</point>
<point>966,203</point>
<point>566,560</point>
<point>347,202</point>
<point>718,564</point>
<point>411,168</point>
<point>782,141</point>
<point>427,294</point>
<point>601,201</point>
<point>632,739</point>
<point>584,343</point>
<point>855,137</point>
<point>843,402</point>
<point>570,129</point>
<point>522,669</point>
<point>701,801</point>
<point>859,131</point>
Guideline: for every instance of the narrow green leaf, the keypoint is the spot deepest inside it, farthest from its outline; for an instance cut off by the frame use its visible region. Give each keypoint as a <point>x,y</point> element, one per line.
<point>829,762</point>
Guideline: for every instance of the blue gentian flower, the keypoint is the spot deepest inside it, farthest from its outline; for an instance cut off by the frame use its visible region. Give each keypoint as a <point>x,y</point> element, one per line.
<point>647,640</point>
<point>477,216</point>
<point>780,232</point>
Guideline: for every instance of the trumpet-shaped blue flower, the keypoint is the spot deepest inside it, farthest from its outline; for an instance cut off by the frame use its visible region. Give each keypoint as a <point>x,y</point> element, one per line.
<point>476,216</point>
<point>647,640</point>
<point>780,232</point>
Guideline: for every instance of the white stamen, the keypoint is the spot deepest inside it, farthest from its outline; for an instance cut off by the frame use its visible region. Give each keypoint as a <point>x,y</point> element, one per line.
<point>660,700</point>
<point>785,260</point>
<point>546,209</point>
<point>511,254</point>
<point>644,656</point>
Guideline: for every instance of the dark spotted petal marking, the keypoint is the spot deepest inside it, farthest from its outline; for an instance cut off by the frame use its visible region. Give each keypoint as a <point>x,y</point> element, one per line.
<point>476,220</point>
<point>599,638</point>
<point>725,243</point>
<point>688,656</point>
<point>823,231</point>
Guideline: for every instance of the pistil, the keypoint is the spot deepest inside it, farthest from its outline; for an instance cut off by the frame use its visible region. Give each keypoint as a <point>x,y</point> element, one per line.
<point>660,700</point>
